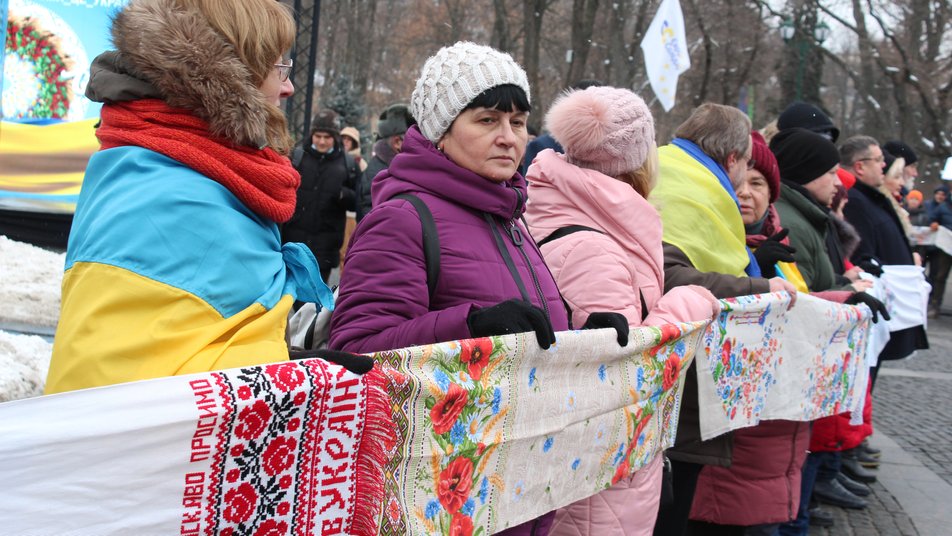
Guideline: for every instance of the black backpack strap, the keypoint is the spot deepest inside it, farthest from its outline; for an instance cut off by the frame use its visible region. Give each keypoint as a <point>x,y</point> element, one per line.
<point>569,229</point>
<point>507,258</point>
<point>644,306</point>
<point>431,240</point>
<point>565,231</point>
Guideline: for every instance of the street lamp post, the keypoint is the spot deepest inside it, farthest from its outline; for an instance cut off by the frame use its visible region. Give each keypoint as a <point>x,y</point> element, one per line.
<point>788,31</point>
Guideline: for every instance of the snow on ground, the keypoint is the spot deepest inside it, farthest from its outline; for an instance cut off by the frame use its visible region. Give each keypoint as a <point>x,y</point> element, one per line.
<point>29,284</point>
<point>29,298</point>
<point>24,362</point>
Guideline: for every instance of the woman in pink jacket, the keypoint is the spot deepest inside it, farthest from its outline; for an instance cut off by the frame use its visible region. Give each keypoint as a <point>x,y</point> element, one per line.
<point>602,242</point>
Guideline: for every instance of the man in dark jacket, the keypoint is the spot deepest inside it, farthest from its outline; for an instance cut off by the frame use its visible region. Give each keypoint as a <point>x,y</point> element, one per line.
<point>328,180</point>
<point>808,164</point>
<point>883,239</point>
<point>940,214</point>
<point>391,126</point>
<point>807,116</point>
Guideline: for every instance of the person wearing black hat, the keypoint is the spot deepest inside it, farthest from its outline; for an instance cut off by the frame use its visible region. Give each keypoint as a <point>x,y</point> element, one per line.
<point>808,116</point>
<point>392,124</point>
<point>904,151</point>
<point>808,163</point>
<point>329,177</point>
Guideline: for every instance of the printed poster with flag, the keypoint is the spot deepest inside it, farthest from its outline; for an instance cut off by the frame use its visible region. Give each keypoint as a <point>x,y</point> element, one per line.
<point>46,123</point>
<point>666,52</point>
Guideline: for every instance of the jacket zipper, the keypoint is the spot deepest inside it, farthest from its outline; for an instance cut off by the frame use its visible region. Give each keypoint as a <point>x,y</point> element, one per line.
<point>515,234</point>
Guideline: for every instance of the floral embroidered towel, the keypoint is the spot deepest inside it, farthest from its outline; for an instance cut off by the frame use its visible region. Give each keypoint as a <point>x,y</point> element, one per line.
<point>764,361</point>
<point>295,446</point>
<point>493,432</point>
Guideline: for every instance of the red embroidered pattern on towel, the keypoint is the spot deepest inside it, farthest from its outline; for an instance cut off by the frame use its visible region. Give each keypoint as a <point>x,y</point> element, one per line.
<point>286,455</point>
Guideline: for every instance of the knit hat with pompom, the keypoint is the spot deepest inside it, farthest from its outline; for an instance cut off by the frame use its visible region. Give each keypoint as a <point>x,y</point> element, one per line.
<point>453,78</point>
<point>607,129</point>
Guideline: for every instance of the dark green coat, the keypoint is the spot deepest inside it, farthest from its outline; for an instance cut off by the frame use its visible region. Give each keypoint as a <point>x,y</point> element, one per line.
<point>807,223</point>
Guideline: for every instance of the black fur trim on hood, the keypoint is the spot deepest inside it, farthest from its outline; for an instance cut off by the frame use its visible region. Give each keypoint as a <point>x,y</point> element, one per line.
<point>188,64</point>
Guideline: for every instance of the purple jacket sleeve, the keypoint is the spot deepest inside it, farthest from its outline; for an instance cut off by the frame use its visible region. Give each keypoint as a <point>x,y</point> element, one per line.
<point>383,302</point>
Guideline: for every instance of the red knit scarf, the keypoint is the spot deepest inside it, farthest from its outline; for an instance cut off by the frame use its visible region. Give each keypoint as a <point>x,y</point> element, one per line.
<point>262,179</point>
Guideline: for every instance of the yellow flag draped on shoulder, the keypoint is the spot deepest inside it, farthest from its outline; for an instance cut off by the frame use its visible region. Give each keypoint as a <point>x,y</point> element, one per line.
<point>698,215</point>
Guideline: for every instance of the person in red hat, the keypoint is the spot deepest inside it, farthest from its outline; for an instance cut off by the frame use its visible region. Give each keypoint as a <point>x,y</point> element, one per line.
<point>765,473</point>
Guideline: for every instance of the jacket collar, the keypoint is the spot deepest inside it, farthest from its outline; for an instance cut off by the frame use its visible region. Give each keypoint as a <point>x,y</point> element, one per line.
<point>872,193</point>
<point>802,200</point>
<point>421,167</point>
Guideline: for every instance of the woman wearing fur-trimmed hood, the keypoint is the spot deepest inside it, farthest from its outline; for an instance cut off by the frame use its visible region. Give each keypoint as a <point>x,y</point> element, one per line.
<point>175,263</point>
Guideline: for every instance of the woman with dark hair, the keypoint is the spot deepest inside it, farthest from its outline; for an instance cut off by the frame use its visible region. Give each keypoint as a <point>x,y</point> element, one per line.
<point>471,103</point>
<point>175,264</point>
<point>461,161</point>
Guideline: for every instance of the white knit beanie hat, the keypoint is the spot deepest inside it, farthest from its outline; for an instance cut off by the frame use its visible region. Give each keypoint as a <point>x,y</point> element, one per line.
<point>453,77</point>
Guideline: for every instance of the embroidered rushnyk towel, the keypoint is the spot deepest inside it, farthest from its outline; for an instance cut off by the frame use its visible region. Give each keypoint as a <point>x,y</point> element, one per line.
<point>288,448</point>
<point>762,361</point>
<point>495,431</point>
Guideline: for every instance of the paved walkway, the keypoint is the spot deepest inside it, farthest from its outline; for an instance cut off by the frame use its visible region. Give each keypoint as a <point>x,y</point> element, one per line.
<point>912,414</point>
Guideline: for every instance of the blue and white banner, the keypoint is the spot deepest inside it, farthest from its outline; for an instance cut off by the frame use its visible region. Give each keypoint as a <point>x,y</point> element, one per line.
<point>666,52</point>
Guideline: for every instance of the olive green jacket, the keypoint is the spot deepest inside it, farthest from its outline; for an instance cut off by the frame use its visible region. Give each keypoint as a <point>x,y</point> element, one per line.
<point>807,223</point>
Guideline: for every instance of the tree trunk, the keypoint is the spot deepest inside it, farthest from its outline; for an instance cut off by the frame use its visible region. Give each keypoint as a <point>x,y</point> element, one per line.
<point>500,39</point>
<point>583,22</point>
<point>532,13</point>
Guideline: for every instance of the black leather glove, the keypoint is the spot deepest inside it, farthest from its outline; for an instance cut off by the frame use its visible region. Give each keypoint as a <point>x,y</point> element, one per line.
<point>512,316</point>
<point>609,320</point>
<point>874,305</point>
<point>872,266</point>
<point>358,364</point>
<point>771,252</point>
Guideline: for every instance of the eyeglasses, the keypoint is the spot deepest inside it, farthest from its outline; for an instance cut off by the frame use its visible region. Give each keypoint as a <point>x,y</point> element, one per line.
<point>879,159</point>
<point>284,70</point>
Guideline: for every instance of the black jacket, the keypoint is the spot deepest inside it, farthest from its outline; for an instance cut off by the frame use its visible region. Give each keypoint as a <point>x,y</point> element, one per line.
<point>323,199</point>
<point>878,226</point>
<point>382,155</point>
<point>882,238</point>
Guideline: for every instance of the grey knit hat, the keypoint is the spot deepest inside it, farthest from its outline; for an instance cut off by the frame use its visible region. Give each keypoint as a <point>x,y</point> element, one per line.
<point>453,77</point>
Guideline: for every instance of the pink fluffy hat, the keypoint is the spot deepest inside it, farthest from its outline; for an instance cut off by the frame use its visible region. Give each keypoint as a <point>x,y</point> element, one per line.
<point>603,128</point>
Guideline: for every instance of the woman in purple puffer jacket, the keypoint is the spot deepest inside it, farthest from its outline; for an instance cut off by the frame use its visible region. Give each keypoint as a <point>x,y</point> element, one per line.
<point>471,103</point>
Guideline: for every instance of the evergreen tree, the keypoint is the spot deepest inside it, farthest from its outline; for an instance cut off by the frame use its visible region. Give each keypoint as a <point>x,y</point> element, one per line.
<point>348,102</point>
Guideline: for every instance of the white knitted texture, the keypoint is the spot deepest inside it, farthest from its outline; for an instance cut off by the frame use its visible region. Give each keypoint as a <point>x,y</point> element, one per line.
<point>453,77</point>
